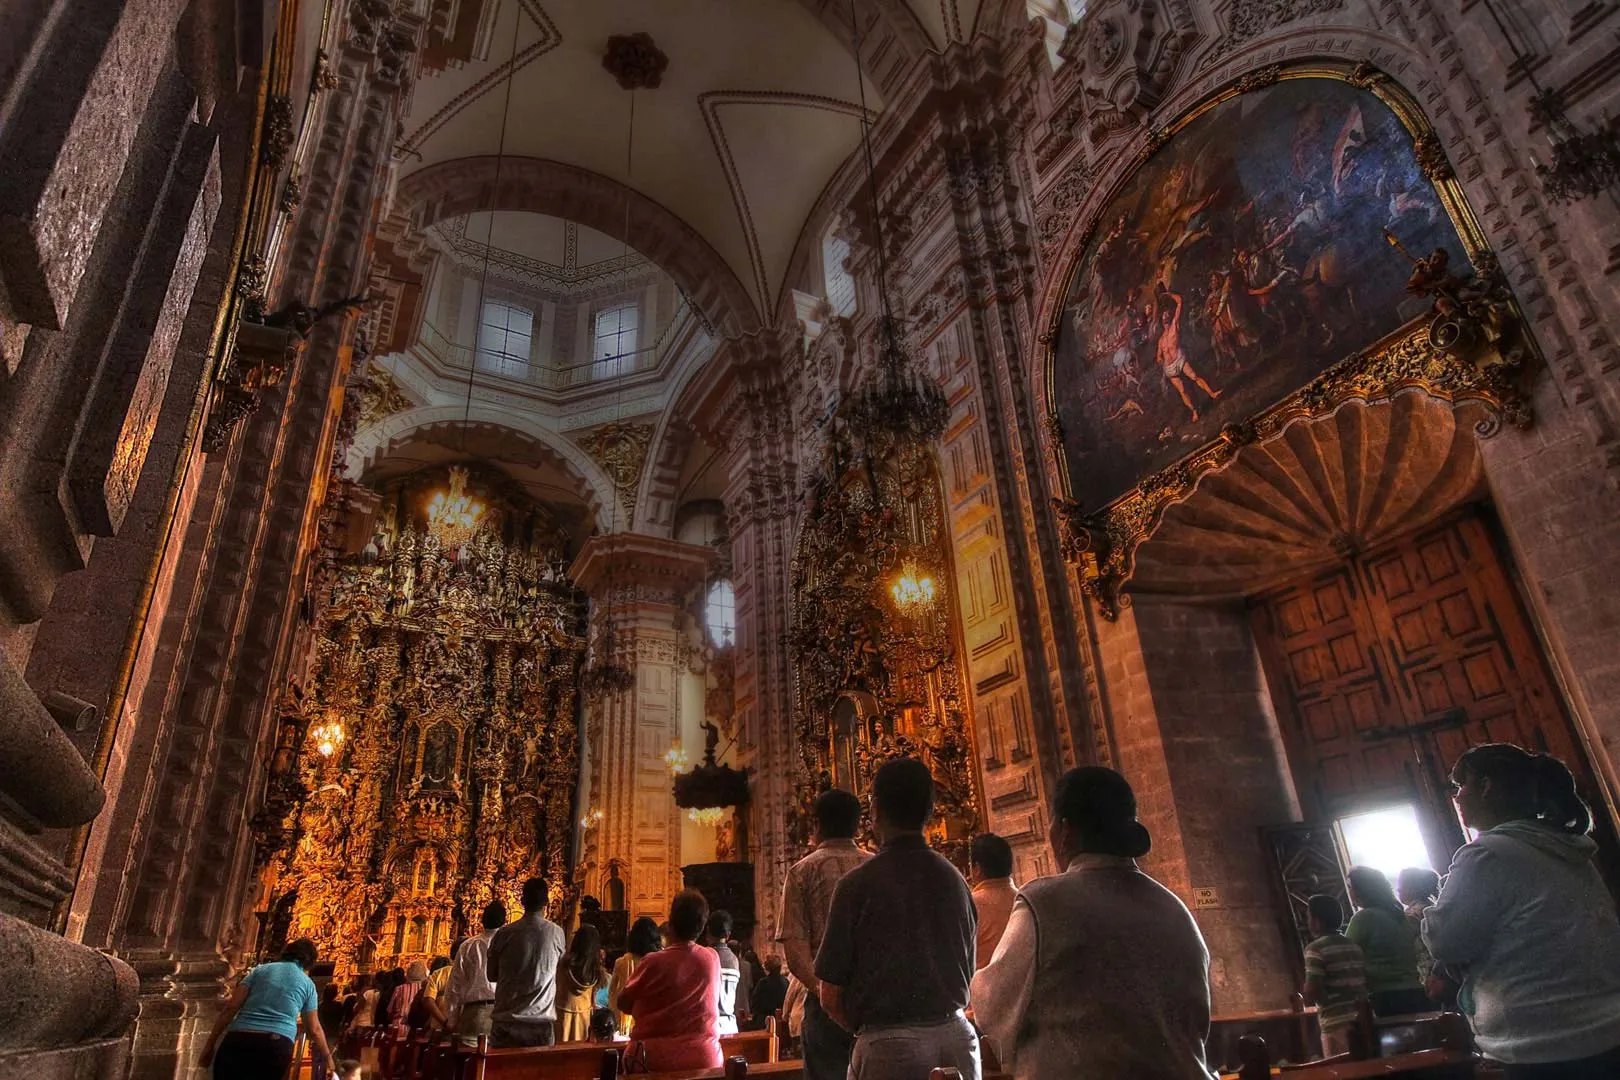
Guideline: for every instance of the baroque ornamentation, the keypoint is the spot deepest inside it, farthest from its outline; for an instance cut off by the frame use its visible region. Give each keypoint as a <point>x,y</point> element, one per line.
<point>278,130</point>
<point>1471,347</point>
<point>871,684</point>
<point>1125,54</point>
<point>621,449</point>
<point>292,192</point>
<point>1247,19</point>
<point>452,677</point>
<point>635,61</point>
<point>381,397</point>
<point>1431,157</point>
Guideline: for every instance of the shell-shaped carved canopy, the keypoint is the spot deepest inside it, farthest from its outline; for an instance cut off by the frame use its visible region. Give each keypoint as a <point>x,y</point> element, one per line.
<point>1318,491</point>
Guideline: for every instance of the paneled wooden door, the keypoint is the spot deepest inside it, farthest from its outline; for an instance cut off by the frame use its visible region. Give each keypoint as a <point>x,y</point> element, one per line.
<point>1387,667</point>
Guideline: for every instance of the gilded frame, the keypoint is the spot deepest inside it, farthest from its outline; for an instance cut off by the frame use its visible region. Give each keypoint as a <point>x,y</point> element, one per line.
<point>1470,347</point>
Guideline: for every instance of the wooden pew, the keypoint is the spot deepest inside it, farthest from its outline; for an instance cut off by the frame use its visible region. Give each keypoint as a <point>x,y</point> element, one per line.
<point>582,1061</point>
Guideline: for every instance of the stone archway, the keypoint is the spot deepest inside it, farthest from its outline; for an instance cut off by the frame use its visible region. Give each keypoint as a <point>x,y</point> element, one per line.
<point>473,184</point>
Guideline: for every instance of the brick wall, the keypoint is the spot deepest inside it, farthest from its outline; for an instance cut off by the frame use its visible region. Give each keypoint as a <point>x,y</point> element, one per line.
<point>1195,734</point>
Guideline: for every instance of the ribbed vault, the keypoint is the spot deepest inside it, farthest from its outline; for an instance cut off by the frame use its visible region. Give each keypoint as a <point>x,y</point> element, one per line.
<point>1317,491</point>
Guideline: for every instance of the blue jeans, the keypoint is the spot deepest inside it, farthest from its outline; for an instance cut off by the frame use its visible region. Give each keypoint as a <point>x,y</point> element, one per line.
<point>826,1045</point>
<point>909,1051</point>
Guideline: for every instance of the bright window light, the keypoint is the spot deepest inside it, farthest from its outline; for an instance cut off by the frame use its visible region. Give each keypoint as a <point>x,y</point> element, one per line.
<point>720,614</point>
<point>1389,840</point>
<point>505,337</point>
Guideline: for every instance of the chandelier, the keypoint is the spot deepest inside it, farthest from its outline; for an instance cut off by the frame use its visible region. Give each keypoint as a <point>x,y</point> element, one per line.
<point>327,737</point>
<point>591,820</point>
<point>707,816</point>
<point>895,400</point>
<point>913,590</point>
<point>676,760</point>
<point>455,516</point>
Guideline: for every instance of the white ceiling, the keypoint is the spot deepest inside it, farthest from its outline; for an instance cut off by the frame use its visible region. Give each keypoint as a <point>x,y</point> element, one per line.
<point>756,111</point>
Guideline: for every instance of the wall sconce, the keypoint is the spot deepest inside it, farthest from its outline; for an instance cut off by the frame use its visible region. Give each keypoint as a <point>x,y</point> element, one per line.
<point>591,820</point>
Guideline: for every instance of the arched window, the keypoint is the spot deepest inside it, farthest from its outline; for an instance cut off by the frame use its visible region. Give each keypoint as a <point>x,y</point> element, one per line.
<point>840,282</point>
<point>720,614</point>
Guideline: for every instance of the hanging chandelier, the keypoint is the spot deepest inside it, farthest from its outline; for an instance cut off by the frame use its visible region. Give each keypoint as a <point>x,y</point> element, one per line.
<point>895,399</point>
<point>455,516</point>
<point>676,760</point>
<point>913,591</point>
<point>1584,163</point>
<point>327,737</point>
<point>707,816</point>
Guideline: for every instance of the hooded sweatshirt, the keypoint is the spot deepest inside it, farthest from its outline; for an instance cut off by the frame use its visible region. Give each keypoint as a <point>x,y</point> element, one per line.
<point>1526,919</point>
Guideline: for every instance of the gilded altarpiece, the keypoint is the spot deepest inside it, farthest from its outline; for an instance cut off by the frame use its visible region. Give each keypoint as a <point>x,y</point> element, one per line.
<point>451,675</point>
<point>874,681</point>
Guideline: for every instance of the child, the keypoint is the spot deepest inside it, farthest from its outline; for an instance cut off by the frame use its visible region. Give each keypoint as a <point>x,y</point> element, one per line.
<point>605,1027</point>
<point>348,1069</point>
<point>1335,975</point>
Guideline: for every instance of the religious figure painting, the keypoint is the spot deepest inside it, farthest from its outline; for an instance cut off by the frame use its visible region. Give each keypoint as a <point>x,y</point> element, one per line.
<point>1246,256</point>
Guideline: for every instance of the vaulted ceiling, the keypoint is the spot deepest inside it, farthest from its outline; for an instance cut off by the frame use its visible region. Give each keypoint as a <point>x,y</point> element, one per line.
<point>756,111</point>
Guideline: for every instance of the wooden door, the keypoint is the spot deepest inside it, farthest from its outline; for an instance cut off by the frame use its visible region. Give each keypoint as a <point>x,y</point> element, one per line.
<point>1387,667</point>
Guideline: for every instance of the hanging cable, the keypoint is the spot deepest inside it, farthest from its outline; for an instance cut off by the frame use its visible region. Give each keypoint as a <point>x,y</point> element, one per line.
<point>489,231</point>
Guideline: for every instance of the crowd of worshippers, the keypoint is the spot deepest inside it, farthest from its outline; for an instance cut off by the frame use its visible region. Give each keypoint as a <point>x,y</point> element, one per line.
<point>896,964</point>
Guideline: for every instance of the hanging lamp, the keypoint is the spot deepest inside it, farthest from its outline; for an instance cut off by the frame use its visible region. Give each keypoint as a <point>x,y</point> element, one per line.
<point>895,400</point>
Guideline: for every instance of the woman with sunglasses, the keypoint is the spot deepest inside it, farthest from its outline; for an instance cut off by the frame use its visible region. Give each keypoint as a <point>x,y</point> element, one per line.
<point>1526,920</point>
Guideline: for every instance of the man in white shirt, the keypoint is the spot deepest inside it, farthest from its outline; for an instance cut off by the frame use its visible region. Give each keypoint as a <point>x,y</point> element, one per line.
<point>470,999</point>
<point>1102,971</point>
<point>522,962</point>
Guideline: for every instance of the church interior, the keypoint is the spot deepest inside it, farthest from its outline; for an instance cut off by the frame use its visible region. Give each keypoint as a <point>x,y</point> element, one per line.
<point>561,438</point>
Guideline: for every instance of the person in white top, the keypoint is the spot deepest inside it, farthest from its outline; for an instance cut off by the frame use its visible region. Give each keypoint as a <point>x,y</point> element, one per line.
<point>1102,971</point>
<point>1525,918</point>
<point>471,995</point>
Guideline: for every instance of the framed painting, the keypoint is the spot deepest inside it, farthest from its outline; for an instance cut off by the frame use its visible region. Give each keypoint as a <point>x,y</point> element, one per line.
<point>1271,234</point>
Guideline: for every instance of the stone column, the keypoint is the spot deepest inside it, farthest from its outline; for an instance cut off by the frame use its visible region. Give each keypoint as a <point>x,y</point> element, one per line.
<point>637,585</point>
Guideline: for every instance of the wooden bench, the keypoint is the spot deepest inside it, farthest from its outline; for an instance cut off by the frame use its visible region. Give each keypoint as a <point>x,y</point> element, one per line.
<point>1450,1056</point>
<point>578,1061</point>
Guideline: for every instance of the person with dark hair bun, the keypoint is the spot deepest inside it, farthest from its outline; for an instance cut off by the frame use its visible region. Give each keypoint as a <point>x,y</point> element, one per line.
<point>674,996</point>
<point>807,893</point>
<point>254,1035</point>
<point>897,956</point>
<point>990,869</point>
<point>1102,971</point>
<point>1525,919</point>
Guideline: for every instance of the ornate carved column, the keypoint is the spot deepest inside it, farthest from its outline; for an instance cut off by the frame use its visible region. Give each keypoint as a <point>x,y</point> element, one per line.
<point>637,585</point>
<point>746,411</point>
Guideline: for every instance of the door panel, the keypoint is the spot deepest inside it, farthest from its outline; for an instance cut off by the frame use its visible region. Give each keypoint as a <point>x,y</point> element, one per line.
<point>1386,668</point>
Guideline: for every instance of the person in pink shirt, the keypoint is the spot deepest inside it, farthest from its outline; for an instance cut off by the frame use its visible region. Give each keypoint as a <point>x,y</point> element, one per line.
<point>674,996</point>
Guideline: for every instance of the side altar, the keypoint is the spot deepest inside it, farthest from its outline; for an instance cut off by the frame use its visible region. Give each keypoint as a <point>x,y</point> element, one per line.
<point>432,757</point>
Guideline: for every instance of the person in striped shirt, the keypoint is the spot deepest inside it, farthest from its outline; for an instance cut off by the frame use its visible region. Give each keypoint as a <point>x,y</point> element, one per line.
<point>1335,975</point>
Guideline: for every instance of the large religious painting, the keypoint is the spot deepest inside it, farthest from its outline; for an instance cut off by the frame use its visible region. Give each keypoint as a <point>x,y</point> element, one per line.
<point>1265,240</point>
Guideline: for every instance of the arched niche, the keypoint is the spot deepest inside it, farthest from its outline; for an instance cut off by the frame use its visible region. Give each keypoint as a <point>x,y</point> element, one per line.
<point>1295,241</point>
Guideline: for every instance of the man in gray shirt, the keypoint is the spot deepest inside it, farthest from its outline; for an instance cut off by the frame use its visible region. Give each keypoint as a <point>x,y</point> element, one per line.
<point>522,963</point>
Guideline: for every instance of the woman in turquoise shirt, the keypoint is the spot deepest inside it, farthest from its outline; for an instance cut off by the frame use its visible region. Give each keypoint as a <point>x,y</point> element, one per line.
<point>254,1036</point>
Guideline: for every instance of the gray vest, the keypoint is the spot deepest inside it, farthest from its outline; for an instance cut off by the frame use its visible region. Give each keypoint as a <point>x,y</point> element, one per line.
<point>1121,978</point>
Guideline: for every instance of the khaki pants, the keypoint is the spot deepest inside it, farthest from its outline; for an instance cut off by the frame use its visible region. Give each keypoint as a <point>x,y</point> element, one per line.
<point>475,1020</point>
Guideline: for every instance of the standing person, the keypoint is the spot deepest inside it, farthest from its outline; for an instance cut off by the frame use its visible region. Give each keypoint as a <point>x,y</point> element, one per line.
<point>1526,919</point>
<point>1335,975</point>
<point>807,895</point>
<point>522,963</point>
<point>897,955</point>
<point>365,1004</point>
<point>674,996</point>
<point>1102,971</point>
<point>432,1005</point>
<point>1416,887</point>
<point>330,1011</point>
<point>578,976</point>
<point>254,1035</point>
<point>471,994</point>
<point>1388,942</point>
<point>644,939</point>
<point>990,867</point>
<point>770,993</point>
<point>716,938</point>
<point>403,999</point>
